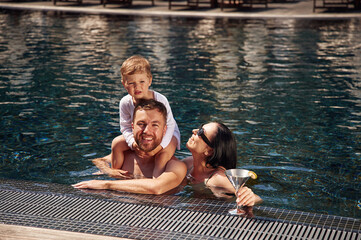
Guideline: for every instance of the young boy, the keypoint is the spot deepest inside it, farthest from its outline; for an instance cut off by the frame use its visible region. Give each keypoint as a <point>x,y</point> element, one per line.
<point>136,79</point>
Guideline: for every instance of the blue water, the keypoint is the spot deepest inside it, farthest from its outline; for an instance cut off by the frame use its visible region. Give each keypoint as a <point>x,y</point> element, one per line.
<point>289,89</point>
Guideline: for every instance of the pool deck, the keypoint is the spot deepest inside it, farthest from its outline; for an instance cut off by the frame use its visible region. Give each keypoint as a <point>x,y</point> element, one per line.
<point>276,9</point>
<point>31,210</point>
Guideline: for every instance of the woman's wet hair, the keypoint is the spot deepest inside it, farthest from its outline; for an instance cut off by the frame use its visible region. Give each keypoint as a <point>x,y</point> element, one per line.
<point>225,148</point>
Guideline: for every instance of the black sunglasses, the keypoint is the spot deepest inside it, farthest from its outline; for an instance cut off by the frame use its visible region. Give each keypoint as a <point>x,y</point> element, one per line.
<point>203,136</point>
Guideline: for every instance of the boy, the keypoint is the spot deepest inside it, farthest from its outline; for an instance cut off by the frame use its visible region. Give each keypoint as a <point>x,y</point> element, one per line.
<point>136,79</point>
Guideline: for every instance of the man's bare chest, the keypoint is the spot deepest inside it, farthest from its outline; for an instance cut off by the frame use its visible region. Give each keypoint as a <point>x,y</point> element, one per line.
<point>139,169</point>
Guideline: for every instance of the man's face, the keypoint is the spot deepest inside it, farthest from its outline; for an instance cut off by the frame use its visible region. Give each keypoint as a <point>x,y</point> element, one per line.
<point>148,128</point>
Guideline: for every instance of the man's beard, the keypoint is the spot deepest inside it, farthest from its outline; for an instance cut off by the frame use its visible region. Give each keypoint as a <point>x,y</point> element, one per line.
<point>147,147</point>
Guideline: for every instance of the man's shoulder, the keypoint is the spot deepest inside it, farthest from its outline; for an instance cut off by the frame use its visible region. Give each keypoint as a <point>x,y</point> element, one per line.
<point>176,163</point>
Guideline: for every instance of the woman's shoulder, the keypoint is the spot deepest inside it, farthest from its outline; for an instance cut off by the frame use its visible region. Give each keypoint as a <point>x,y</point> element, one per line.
<point>219,179</point>
<point>218,174</point>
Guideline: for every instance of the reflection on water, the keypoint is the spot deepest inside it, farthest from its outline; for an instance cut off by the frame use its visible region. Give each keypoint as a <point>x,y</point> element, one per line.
<point>290,90</point>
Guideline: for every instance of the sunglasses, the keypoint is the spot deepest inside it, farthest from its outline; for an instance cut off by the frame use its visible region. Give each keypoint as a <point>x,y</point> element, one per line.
<point>203,136</point>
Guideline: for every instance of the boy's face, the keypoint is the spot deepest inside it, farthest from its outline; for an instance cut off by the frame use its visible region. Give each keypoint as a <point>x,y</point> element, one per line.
<point>137,85</point>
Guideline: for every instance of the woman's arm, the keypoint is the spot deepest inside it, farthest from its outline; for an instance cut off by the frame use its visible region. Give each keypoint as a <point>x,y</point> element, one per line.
<point>220,180</point>
<point>245,196</point>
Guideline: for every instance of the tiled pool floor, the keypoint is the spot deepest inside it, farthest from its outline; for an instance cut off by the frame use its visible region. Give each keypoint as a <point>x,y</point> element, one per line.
<point>137,216</point>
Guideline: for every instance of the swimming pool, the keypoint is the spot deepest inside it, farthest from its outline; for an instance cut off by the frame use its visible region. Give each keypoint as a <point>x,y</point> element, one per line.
<point>289,89</point>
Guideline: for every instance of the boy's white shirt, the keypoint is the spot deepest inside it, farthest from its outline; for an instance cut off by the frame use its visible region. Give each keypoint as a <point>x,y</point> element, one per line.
<point>126,109</point>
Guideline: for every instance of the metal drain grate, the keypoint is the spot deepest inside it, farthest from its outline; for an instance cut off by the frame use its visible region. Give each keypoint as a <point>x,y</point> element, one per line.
<point>139,221</point>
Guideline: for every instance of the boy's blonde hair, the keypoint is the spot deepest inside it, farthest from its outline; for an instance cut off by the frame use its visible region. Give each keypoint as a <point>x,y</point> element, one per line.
<point>135,64</point>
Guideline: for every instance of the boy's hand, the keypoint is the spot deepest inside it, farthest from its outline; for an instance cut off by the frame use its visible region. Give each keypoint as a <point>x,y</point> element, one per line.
<point>122,174</point>
<point>143,154</point>
<point>134,145</point>
<point>116,173</point>
<point>155,151</point>
<point>139,152</point>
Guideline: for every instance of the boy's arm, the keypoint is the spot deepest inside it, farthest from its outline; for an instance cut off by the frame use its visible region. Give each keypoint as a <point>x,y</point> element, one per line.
<point>126,108</point>
<point>171,123</point>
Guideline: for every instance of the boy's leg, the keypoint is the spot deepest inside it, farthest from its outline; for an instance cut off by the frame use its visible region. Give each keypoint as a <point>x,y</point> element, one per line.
<point>119,146</point>
<point>164,156</point>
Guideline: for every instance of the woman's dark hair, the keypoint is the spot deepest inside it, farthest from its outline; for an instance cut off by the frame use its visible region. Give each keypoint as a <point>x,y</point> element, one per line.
<point>225,149</point>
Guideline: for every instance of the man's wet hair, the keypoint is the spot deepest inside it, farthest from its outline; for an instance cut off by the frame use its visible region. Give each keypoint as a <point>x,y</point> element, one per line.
<point>151,104</point>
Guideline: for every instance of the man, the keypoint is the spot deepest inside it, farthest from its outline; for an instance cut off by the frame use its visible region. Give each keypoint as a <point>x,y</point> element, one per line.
<point>149,126</point>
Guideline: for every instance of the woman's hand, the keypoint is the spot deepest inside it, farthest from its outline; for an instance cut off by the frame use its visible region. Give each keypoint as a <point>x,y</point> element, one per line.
<point>246,197</point>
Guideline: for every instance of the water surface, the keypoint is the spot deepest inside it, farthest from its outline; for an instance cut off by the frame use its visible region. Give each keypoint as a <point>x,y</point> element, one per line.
<point>290,90</point>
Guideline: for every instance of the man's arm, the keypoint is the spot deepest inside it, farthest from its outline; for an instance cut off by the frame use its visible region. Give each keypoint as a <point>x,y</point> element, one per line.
<point>172,177</point>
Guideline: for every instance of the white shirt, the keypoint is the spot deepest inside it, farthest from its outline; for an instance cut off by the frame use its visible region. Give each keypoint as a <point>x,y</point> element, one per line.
<point>126,109</point>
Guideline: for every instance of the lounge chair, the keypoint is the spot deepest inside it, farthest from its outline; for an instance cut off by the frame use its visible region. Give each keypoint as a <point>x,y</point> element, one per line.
<point>193,3</point>
<point>78,1</point>
<point>332,4</point>
<point>242,3</point>
<point>125,2</point>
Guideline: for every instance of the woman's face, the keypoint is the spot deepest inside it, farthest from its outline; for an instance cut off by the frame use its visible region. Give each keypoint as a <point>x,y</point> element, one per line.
<point>197,144</point>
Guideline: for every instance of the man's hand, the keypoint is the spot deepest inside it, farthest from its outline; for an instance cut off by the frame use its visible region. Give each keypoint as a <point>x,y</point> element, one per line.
<point>93,184</point>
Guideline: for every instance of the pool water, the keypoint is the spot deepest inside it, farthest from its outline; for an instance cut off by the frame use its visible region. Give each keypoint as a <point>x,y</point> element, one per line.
<point>289,89</point>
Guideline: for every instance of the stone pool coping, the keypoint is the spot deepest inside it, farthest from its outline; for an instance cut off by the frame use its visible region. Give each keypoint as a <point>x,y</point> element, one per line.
<point>10,232</point>
<point>277,9</point>
<point>136,216</point>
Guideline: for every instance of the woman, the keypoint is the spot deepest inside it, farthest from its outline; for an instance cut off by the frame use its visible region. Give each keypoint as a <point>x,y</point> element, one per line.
<point>214,150</point>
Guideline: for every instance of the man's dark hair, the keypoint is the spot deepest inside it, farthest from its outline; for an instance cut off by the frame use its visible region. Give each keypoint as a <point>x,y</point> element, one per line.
<point>150,104</point>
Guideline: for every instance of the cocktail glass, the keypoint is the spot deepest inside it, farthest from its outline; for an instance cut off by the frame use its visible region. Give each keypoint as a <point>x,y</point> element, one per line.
<point>238,177</point>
